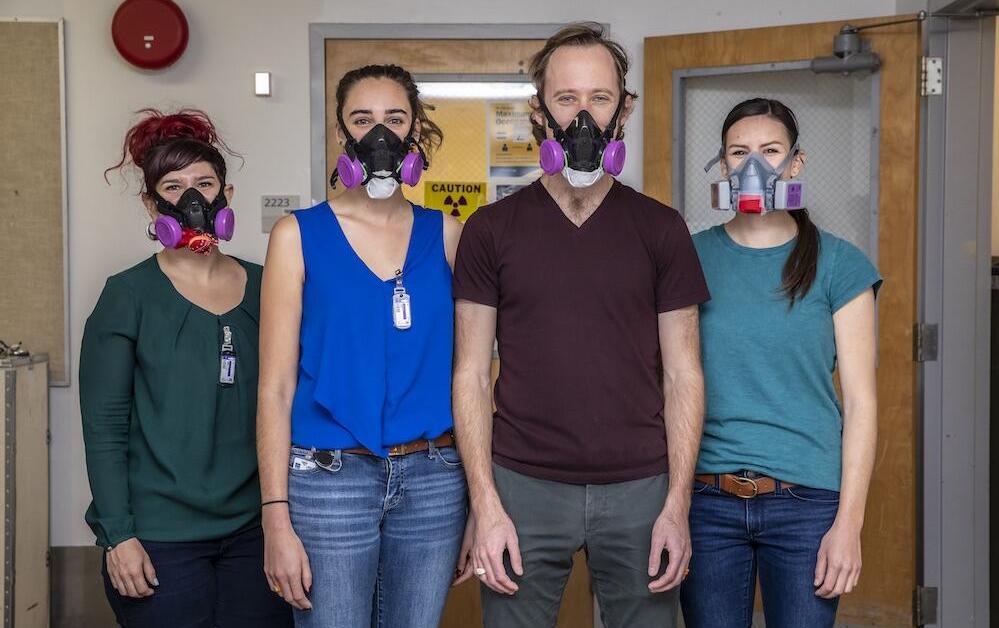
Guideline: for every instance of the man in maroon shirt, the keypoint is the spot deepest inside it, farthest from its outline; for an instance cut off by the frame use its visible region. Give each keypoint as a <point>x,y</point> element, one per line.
<point>591,290</point>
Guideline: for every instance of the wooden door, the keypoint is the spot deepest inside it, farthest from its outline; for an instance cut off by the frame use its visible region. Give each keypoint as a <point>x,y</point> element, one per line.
<point>451,56</point>
<point>884,597</point>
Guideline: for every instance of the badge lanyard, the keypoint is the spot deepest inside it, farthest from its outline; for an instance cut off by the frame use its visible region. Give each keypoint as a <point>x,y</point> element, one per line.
<point>227,359</point>
<point>402,316</point>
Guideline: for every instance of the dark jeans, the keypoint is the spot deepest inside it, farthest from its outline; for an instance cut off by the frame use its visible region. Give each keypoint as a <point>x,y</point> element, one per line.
<point>612,522</point>
<point>205,584</point>
<point>777,535</point>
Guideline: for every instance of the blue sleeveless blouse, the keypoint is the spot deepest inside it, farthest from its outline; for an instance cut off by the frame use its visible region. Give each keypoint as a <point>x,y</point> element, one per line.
<point>361,381</point>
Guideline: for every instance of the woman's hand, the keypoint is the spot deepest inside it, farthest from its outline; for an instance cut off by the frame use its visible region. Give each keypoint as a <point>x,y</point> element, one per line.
<point>286,565</point>
<point>130,570</point>
<point>464,570</point>
<point>837,569</point>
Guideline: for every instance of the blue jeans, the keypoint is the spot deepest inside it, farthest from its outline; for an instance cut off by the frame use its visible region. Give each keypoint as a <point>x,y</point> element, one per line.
<point>204,584</point>
<point>776,535</point>
<point>382,536</point>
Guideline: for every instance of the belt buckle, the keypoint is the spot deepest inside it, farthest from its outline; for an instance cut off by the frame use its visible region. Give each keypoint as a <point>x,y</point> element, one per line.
<point>397,450</point>
<point>747,482</point>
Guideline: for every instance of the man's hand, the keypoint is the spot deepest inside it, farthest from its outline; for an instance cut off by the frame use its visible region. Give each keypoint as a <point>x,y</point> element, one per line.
<point>671,532</point>
<point>494,534</point>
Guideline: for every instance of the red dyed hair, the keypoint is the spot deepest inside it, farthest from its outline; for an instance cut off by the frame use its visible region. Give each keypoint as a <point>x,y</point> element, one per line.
<point>162,143</point>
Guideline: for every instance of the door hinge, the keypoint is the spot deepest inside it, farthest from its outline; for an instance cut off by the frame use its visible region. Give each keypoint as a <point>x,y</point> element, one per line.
<point>48,436</point>
<point>925,606</point>
<point>931,76</point>
<point>924,342</point>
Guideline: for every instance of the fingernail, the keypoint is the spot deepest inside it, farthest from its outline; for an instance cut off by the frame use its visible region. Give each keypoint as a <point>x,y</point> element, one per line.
<point>156,582</point>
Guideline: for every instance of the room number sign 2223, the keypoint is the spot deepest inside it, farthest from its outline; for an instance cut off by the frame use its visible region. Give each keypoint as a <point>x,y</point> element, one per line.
<point>282,202</point>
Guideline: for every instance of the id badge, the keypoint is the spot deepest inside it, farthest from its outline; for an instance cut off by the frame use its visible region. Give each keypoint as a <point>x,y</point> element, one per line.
<point>401,314</point>
<point>227,368</point>
<point>302,464</point>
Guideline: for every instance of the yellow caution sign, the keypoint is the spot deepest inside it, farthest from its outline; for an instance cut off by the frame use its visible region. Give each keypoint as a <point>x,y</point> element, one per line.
<point>458,198</point>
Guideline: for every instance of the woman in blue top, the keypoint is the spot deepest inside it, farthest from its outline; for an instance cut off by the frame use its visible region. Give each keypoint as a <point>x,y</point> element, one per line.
<point>783,469</point>
<point>363,493</point>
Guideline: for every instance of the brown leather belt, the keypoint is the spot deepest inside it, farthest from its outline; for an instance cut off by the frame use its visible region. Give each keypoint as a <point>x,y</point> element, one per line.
<point>444,440</point>
<point>742,486</point>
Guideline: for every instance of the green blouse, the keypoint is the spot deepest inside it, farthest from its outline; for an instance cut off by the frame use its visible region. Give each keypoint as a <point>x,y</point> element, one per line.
<point>170,450</point>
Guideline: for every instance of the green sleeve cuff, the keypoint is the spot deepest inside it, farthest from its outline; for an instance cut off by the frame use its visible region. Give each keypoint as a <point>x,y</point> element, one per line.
<point>111,531</point>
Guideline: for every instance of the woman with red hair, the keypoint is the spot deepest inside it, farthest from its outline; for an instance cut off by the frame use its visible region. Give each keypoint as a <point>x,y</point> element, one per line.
<point>168,393</point>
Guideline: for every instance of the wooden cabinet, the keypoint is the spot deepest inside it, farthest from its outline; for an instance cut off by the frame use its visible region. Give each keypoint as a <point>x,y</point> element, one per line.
<point>24,456</point>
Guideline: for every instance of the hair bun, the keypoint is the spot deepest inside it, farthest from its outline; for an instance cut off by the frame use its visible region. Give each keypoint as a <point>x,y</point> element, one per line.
<point>155,128</point>
<point>158,127</point>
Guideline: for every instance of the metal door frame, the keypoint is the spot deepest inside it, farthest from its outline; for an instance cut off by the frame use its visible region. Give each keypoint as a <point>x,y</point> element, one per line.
<point>954,294</point>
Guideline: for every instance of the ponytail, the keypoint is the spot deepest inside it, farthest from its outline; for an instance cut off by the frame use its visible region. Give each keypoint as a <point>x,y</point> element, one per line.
<point>801,266</point>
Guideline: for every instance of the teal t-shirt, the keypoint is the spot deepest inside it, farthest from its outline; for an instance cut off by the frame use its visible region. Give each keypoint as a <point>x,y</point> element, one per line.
<point>771,404</point>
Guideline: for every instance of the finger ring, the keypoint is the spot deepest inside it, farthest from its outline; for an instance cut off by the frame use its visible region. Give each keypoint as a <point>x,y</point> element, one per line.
<point>686,572</point>
<point>480,571</point>
<point>277,590</point>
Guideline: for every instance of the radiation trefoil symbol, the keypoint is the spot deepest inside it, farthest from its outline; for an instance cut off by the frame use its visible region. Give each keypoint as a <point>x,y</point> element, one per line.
<point>455,205</point>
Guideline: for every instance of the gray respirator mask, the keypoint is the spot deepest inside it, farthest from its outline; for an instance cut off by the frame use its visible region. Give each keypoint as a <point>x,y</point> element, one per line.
<point>755,186</point>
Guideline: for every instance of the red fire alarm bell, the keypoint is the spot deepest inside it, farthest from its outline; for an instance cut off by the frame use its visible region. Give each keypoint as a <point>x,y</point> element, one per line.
<point>150,34</point>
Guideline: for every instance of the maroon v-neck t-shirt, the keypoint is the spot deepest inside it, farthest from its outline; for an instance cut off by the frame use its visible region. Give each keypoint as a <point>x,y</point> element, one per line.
<point>579,397</point>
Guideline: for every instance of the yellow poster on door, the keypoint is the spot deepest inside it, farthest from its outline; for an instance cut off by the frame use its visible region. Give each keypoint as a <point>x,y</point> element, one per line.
<point>458,198</point>
<point>512,148</point>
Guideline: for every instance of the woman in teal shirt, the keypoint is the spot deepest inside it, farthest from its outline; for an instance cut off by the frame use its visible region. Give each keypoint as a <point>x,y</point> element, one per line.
<point>168,379</point>
<point>783,470</point>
